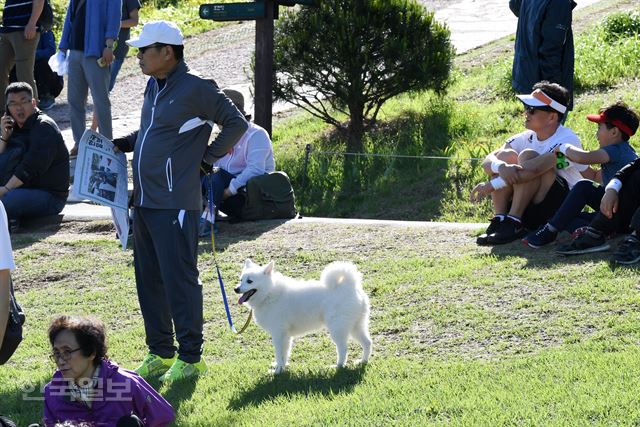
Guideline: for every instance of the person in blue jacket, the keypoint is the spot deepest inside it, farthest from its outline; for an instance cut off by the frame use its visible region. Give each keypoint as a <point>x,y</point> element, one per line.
<point>90,30</point>
<point>544,44</point>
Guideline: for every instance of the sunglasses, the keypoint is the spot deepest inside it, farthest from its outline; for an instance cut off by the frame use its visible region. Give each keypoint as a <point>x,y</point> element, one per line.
<point>532,110</point>
<point>143,49</point>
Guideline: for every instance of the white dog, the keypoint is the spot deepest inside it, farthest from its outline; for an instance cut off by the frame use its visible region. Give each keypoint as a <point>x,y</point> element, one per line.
<point>286,308</point>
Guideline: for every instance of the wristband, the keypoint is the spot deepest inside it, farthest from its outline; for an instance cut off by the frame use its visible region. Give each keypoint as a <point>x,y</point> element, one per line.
<point>7,188</point>
<point>495,166</point>
<point>615,185</point>
<point>498,183</point>
<point>563,148</point>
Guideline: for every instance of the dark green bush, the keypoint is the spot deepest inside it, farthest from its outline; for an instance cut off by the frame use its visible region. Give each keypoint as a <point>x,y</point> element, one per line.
<point>348,57</point>
<point>622,24</point>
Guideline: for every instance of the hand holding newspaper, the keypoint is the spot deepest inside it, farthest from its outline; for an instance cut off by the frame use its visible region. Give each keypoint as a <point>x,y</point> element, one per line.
<point>101,176</point>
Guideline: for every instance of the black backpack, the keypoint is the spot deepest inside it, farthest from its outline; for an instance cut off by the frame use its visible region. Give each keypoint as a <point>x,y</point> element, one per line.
<point>13,333</point>
<point>268,196</point>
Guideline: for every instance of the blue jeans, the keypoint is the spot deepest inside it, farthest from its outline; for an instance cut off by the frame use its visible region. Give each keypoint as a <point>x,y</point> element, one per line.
<point>221,180</point>
<point>570,216</point>
<point>31,202</point>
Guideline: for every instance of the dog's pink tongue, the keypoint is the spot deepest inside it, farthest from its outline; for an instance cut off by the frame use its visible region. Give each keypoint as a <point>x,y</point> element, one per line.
<point>243,298</point>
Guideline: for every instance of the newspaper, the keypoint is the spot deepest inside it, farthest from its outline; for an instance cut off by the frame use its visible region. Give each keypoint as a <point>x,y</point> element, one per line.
<point>101,176</point>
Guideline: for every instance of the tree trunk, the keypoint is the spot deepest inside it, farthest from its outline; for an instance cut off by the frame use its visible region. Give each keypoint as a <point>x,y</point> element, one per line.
<point>351,185</point>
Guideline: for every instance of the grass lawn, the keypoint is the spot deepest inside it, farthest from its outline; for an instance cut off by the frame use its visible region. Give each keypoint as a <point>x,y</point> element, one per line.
<point>463,335</point>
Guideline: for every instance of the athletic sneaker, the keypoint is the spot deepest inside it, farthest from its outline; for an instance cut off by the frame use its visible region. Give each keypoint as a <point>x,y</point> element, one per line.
<point>181,370</point>
<point>493,226</point>
<point>543,236</point>
<point>508,231</point>
<point>154,366</point>
<point>586,243</point>
<point>628,251</point>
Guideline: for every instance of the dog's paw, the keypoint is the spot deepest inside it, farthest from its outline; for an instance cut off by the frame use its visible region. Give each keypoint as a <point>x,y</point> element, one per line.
<point>360,362</point>
<point>277,370</point>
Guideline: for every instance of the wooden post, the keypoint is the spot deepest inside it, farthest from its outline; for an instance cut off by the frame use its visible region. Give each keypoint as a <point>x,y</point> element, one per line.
<point>264,68</point>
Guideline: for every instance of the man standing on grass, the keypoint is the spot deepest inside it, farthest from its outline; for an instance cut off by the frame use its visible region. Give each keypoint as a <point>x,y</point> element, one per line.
<point>178,112</point>
<point>528,182</point>
<point>544,45</point>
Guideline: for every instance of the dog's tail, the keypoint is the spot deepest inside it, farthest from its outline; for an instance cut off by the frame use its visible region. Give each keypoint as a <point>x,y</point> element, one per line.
<point>341,273</point>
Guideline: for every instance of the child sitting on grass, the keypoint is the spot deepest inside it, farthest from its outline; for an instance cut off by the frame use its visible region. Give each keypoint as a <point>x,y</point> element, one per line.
<point>616,124</point>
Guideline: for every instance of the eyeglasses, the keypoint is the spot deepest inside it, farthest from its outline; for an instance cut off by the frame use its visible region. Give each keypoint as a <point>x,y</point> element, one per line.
<point>13,104</point>
<point>532,110</point>
<point>64,355</point>
<point>143,49</point>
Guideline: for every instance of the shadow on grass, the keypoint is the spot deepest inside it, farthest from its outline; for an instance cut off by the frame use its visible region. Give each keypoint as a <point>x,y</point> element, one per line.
<point>546,257</point>
<point>326,383</point>
<point>177,392</point>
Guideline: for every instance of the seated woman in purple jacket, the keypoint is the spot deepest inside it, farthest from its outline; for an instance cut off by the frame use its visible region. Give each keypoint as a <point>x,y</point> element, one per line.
<point>89,388</point>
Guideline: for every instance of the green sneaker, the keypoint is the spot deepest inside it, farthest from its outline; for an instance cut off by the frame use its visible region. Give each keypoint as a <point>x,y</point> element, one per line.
<point>154,366</point>
<point>181,370</point>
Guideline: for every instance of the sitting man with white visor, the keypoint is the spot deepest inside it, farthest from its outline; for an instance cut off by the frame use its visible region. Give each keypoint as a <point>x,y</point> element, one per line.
<point>528,182</point>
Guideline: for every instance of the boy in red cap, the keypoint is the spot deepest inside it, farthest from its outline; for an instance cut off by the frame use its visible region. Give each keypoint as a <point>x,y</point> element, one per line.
<point>616,123</point>
<point>619,207</point>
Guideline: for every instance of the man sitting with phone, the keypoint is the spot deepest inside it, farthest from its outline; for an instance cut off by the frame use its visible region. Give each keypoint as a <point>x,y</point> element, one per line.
<point>37,180</point>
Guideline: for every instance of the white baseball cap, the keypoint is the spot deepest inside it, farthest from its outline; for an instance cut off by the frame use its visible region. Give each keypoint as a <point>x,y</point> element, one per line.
<point>158,32</point>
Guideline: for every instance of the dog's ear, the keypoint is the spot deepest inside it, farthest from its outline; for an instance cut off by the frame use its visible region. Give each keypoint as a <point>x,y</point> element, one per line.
<point>268,269</point>
<point>248,263</point>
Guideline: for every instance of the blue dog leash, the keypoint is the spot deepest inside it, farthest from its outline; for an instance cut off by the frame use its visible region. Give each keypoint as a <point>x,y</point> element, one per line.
<point>209,179</point>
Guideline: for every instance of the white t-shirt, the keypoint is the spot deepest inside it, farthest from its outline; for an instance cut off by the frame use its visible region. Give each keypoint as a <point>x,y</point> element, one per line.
<point>251,156</point>
<point>6,254</point>
<point>529,140</point>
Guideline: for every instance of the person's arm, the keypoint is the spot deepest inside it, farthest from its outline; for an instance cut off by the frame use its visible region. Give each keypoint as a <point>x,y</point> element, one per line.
<point>31,29</point>
<point>536,166</point>
<point>40,155</point>
<point>134,19</point>
<point>152,409</point>
<point>126,144</point>
<point>258,151</point>
<point>514,5</point>
<point>578,155</point>
<point>114,13</point>
<point>555,27</point>
<point>5,276</point>
<point>13,183</point>
<point>222,111</point>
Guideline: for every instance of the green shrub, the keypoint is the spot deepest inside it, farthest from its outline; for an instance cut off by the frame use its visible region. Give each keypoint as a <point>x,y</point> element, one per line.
<point>357,54</point>
<point>621,25</point>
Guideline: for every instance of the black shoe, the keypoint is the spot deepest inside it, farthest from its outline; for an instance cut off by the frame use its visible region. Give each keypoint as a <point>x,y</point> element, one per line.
<point>586,243</point>
<point>543,236</point>
<point>628,251</point>
<point>493,226</point>
<point>508,231</point>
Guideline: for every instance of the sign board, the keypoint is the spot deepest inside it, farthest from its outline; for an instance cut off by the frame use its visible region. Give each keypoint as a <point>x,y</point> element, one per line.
<point>232,11</point>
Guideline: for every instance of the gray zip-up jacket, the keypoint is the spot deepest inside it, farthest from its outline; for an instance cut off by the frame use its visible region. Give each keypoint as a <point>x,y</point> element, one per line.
<point>175,127</point>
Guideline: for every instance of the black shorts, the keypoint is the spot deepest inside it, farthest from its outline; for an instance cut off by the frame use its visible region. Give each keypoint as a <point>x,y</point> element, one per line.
<point>538,214</point>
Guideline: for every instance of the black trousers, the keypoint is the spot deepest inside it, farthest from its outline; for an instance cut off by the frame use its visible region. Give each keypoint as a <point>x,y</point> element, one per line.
<point>628,215</point>
<point>165,257</point>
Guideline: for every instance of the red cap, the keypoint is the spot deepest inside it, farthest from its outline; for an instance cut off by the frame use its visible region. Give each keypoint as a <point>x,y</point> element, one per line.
<point>602,118</point>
